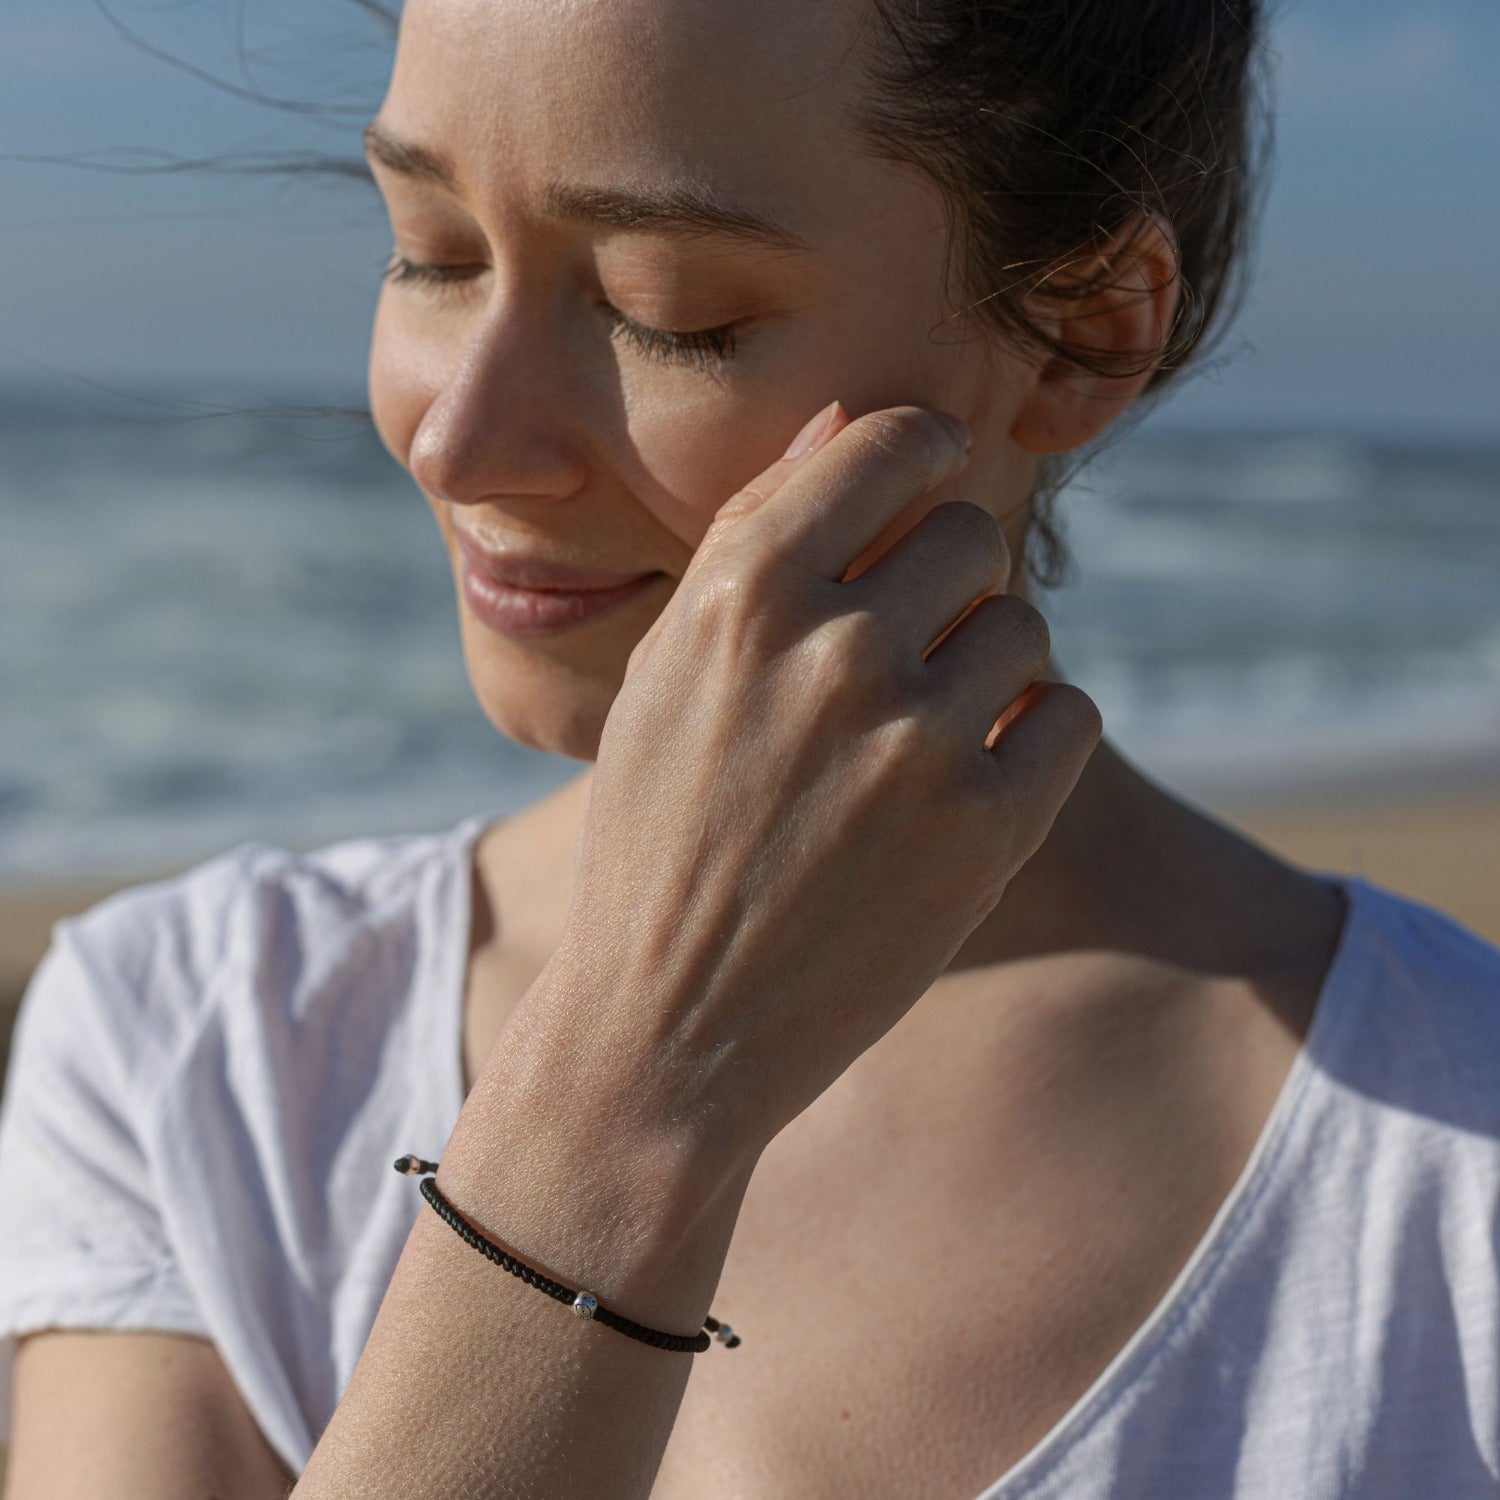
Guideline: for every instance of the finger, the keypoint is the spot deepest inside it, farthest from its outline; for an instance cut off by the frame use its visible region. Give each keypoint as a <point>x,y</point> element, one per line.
<point>955,553</point>
<point>1043,742</point>
<point>820,430</point>
<point>841,498</point>
<point>986,660</point>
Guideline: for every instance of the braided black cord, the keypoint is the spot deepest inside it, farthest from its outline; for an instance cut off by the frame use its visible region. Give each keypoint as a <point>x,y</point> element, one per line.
<point>675,1343</point>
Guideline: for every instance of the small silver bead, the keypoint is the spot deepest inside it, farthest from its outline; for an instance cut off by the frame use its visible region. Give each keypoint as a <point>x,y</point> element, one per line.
<point>724,1333</point>
<point>584,1305</point>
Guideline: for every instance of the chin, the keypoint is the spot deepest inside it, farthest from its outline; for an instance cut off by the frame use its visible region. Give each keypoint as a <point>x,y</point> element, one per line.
<point>539,702</point>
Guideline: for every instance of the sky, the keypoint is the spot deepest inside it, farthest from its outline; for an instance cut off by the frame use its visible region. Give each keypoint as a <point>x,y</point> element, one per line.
<point>1374,307</point>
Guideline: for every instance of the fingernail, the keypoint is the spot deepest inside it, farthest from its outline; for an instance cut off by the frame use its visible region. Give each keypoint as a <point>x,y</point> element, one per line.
<point>808,437</point>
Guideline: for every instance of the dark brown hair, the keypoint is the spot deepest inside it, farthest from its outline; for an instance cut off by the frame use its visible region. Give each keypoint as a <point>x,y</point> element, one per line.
<point>1051,125</point>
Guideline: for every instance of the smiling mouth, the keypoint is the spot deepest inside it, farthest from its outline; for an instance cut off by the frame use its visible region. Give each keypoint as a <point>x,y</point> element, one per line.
<point>523,613</point>
<point>514,569</point>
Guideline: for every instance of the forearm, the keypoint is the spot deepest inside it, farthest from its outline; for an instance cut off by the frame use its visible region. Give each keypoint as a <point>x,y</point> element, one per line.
<point>474,1384</point>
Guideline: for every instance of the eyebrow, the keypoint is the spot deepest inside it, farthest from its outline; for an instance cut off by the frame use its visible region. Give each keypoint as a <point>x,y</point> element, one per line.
<point>688,211</point>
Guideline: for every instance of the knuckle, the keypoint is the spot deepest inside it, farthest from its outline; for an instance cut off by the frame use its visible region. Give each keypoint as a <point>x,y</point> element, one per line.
<point>743,601</point>
<point>720,604</point>
<point>978,528</point>
<point>857,653</point>
<point>1028,628</point>
<point>1016,628</point>
<point>847,664</point>
<point>1082,711</point>
<point>715,594</point>
<point>906,435</point>
<point>822,671</point>
<point>743,502</point>
<point>905,744</point>
<point>999,555</point>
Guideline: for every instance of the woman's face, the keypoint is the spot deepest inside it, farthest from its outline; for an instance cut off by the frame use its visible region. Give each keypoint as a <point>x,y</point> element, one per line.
<point>564,176</point>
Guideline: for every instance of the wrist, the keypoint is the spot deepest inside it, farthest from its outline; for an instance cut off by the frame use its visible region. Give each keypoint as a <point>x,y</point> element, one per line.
<point>606,1042</point>
<point>579,1164</point>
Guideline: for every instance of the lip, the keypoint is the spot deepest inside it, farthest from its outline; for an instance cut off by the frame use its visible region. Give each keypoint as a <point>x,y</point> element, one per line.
<point>523,613</point>
<point>513,570</point>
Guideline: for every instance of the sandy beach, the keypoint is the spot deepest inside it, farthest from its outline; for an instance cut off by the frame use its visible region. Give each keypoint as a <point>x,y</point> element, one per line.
<point>1439,847</point>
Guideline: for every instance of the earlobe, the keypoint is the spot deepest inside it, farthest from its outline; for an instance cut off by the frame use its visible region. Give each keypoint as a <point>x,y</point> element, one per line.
<point>1114,321</point>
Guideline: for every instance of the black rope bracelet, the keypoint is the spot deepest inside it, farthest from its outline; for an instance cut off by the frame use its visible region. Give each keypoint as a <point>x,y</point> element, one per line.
<point>583,1303</point>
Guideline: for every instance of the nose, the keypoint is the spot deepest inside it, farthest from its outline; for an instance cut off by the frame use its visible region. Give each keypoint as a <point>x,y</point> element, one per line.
<point>499,425</point>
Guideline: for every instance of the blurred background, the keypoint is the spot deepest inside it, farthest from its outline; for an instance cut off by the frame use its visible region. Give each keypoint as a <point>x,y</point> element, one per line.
<point>226,617</point>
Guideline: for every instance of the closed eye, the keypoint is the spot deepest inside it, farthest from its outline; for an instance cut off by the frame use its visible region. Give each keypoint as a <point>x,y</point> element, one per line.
<point>401,270</point>
<point>701,348</point>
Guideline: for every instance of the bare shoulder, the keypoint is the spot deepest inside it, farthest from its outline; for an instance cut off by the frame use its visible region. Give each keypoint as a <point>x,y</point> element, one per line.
<point>134,1414</point>
<point>1050,1141</point>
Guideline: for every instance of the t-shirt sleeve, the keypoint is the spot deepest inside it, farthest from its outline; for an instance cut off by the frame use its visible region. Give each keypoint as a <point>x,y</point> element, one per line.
<point>81,1238</point>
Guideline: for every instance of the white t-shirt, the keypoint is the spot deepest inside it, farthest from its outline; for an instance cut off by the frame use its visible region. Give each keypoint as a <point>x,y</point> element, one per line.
<point>212,1076</point>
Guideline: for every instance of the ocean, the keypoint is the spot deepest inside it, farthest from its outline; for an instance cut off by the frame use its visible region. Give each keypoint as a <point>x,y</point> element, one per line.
<point>221,627</point>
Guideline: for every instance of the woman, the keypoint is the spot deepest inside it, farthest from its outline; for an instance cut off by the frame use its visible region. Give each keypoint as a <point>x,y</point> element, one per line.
<point>1037,1134</point>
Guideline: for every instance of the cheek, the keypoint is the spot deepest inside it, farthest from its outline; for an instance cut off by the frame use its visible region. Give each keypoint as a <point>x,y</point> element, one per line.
<point>693,451</point>
<point>695,446</point>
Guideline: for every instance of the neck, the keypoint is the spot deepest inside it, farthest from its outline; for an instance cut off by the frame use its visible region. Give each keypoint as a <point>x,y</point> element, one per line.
<point>1129,869</point>
<point>1126,868</point>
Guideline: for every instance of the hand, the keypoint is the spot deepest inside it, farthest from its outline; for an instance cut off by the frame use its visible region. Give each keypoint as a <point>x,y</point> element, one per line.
<point>795,820</point>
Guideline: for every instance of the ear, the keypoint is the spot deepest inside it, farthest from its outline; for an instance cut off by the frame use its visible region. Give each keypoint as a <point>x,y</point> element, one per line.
<point>1114,310</point>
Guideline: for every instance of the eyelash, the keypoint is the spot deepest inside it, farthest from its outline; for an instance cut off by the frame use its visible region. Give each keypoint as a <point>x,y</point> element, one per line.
<point>701,348</point>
